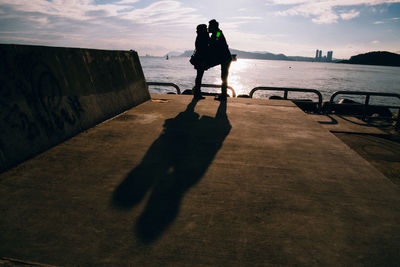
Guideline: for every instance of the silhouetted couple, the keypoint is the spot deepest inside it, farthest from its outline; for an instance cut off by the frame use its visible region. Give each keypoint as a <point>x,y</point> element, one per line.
<point>210,52</point>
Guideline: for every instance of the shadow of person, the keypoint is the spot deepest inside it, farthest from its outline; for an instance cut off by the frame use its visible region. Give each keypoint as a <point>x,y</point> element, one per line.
<point>175,161</point>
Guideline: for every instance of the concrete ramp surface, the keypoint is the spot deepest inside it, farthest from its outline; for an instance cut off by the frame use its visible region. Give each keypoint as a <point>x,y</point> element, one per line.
<point>179,183</point>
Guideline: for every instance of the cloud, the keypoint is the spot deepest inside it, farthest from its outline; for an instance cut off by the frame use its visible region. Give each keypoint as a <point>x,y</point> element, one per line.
<point>324,11</point>
<point>83,10</point>
<point>247,18</point>
<point>350,15</point>
<point>163,12</point>
<point>126,2</point>
<point>86,23</point>
<point>76,10</point>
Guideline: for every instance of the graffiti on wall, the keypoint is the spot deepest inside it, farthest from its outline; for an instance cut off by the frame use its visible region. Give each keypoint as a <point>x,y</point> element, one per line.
<point>50,108</point>
<point>31,100</point>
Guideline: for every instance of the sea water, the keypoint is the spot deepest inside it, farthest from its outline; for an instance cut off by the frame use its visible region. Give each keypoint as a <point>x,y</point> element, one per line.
<point>245,74</point>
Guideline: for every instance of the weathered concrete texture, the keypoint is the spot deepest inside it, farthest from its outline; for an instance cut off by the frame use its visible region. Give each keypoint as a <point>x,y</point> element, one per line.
<point>375,141</point>
<point>179,184</point>
<point>49,94</point>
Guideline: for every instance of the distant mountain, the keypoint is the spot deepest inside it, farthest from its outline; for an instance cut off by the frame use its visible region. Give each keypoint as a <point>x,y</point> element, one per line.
<point>173,54</point>
<point>261,52</point>
<point>187,53</point>
<point>381,58</point>
<point>250,55</point>
<point>298,58</point>
<point>256,55</point>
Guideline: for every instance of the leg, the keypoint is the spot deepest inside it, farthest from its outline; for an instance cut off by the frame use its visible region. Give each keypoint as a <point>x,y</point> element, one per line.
<point>197,86</point>
<point>224,78</point>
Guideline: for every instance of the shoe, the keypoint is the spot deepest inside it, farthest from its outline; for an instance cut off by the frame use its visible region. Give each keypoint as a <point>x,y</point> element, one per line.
<point>220,98</point>
<point>199,97</point>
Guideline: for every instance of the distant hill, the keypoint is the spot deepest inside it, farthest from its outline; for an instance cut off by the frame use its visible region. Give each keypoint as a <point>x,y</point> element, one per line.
<point>187,53</point>
<point>173,54</point>
<point>249,55</point>
<point>298,58</point>
<point>258,55</point>
<point>381,58</point>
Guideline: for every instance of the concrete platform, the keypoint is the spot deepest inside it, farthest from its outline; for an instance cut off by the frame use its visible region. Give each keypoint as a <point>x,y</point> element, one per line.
<point>376,141</point>
<point>253,183</point>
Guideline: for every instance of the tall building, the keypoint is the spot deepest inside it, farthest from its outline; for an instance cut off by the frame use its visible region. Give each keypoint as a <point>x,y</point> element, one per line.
<point>329,56</point>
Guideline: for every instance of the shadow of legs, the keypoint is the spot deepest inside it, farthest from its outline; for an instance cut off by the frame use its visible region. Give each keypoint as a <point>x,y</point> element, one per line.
<point>137,183</point>
<point>175,162</point>
<point>161,209</point>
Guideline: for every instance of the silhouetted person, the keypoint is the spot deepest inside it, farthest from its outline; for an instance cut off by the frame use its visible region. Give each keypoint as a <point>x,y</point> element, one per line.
<point>201,57</point>
<point>175,162</point>
<point>219,55</point>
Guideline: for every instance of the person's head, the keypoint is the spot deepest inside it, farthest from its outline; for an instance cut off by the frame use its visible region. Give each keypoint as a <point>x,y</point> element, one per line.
<point>201,28</point>
<point>213,26</point>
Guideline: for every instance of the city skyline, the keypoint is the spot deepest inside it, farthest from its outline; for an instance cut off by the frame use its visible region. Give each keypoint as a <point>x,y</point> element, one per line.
<point>291,27</point>
<point>327,58</point>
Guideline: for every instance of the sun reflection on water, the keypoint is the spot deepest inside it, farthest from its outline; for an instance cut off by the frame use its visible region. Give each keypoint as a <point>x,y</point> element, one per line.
<point>245,74</point>
<point>237,71</point>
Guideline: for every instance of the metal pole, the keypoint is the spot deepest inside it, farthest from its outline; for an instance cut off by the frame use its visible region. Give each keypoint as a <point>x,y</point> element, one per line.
<point>366,107</point>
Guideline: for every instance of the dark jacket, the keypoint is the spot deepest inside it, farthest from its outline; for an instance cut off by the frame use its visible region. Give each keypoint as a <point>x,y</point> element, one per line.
<point>202,51</point>
<point>219,50</point>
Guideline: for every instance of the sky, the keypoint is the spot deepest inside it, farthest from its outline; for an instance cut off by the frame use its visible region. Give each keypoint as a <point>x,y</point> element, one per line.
<point>290,27</point>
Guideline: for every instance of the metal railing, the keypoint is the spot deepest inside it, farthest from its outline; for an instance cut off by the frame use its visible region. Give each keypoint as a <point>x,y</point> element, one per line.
<point>366,103</point>
<point>165,84</point>
<point>219,86</point>
<point>178,90</point>
<point>286,92</point>
<point>318,104</point>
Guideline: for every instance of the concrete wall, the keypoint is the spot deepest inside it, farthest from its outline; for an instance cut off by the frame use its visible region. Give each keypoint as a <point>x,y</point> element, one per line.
<point>49,94</point>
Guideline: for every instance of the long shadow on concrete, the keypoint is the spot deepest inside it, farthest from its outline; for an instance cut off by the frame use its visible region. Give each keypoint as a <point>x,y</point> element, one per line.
<point>176,161</point>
